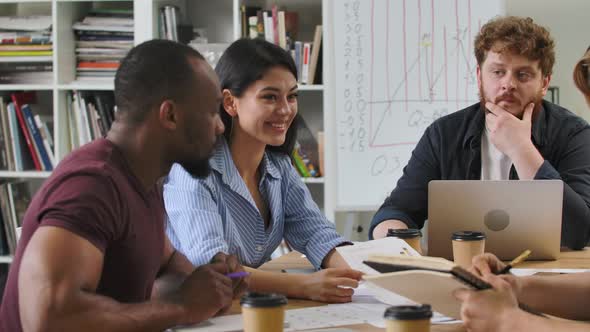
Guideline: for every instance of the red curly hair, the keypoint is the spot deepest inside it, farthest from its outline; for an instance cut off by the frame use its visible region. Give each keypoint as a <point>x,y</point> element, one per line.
<point>517,35</point>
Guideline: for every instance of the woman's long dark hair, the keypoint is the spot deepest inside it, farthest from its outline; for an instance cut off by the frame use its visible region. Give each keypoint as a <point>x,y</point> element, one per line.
<point>244,62</point>
<point>582,75</point>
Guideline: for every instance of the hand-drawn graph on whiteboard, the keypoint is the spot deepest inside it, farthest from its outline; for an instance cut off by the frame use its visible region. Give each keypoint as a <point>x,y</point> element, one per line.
<point>399,65</point>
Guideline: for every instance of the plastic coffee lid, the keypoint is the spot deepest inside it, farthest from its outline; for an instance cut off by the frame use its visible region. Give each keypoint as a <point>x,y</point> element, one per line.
<point>468,236</point>
<point>403,233</point>
<point>408,312</point>
<point>259,300</point>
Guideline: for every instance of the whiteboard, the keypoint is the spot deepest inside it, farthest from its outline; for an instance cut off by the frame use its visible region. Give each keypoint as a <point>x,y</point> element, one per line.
<point>398,65</point>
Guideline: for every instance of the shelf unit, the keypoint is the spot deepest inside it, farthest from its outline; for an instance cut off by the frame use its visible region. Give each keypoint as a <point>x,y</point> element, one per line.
<point>221,21</point>
<point>5,259</point>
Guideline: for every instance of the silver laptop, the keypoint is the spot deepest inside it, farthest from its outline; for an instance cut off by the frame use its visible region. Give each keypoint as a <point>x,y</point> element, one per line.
<point>514,215</point>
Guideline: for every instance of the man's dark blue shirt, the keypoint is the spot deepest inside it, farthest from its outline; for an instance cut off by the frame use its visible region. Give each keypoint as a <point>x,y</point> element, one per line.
<point>450,149</point>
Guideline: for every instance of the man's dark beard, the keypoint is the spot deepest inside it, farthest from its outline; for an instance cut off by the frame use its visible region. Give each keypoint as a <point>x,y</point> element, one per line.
<point>198,169</point>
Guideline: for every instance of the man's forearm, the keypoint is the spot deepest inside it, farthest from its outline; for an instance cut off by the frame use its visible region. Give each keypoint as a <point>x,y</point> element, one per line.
<point>380,231</point>
<point>565,296</point>
<point>288,284</point>
<point>528,322</point>
<point>172,275</point>
<point>90,312</point>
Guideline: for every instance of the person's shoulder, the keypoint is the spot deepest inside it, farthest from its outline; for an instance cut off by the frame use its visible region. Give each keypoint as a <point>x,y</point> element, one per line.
<point>97,160</point>
<point>563,117</point>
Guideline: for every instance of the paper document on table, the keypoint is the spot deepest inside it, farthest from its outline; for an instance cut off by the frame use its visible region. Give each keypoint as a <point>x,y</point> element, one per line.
<point>360,251</point>
<point>229,323</point>
<point>331,315</point>
<point>530,272</point>
<point>334,315</point>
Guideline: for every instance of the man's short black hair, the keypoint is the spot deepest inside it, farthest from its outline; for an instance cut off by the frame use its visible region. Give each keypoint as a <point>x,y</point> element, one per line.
<point>152,72</point>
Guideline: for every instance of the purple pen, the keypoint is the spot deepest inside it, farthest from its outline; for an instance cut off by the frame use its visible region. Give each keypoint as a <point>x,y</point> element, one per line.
<point>236,275</point>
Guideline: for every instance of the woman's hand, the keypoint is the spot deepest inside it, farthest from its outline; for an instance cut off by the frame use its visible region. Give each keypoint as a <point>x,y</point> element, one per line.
<point>334,285</point>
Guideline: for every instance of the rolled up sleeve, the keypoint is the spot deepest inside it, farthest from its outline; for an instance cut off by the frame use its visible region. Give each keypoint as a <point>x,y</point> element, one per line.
<point>194,225</point>
<point>306,228</point>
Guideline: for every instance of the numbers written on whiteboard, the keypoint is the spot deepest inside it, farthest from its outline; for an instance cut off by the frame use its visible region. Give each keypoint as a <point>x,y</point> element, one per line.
<point>385,164</point>
<point>420,118</point>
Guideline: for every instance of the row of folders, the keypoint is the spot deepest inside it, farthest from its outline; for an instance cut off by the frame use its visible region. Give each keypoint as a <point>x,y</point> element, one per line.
<point>27,141</point>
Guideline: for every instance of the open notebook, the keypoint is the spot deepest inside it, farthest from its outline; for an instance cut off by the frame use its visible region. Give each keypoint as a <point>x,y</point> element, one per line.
<point>429,280</point>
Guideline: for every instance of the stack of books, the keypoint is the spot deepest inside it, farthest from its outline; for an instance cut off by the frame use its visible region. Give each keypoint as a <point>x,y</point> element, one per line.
<point>103,38</point>
<point>90,115</point>
<point>280,27</point>
<point>26,142</point>
<point>26,50</point>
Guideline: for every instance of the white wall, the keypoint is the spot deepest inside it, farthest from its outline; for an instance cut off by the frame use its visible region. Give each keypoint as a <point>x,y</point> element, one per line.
<point>569,24</point>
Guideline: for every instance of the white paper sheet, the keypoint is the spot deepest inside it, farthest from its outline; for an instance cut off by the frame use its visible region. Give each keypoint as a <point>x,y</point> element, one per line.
<point>530,272</point>
<point>360,251</point>
<point>228,323</point>
<point>331,315</point>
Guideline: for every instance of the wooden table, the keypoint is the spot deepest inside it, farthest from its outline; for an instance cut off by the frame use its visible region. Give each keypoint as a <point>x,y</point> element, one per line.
<point>568,259</point>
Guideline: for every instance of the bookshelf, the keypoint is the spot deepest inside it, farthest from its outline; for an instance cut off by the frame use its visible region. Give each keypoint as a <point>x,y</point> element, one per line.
<point>221,20</point>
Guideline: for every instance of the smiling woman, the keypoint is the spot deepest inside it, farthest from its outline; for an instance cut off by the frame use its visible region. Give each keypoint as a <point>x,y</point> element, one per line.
<point>254,198</point>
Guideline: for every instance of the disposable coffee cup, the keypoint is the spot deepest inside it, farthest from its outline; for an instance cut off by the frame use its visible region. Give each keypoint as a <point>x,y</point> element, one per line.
<point>263,312</point>
<point>408,318</point>
<point>411,236</point>
<point>466,245</point>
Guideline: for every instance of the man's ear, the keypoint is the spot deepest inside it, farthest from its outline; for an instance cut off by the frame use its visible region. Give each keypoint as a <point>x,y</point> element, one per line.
<point>478,77</point>
<point>545,87</point>
<point>229,103</point>
<point>168,114</point>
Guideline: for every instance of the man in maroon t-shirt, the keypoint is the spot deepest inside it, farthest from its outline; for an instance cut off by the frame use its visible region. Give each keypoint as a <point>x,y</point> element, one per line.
<point>93,255</point>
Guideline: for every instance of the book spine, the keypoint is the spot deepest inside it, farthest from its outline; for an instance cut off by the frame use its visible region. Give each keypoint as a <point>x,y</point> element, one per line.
<point>5,208</point>
<point>253,27</point>
<point>26,134</point>
<point>46,137</point>
<point>305,63</point>
<point>25,53</point>
<point>15,136</point>
<point>72,122</point>
<point>244,26</point>
<point>298,54</point>
<point>275,24</point>
<point>268,32</point>
<point>87,134</point>
<point>3,149</point>
<point>7,136</point>
<point>315,52</point>
<point>282,32</point>
<point>162,23</point>
<point>260,24</point>
<point>174,12</point>
<point>38,140</point>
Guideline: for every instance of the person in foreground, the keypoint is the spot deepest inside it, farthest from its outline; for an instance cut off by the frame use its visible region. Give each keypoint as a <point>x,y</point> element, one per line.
<point>254,197</point>
<point>511,134</point>
<point>564,296</point>
<point>93,255</point>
